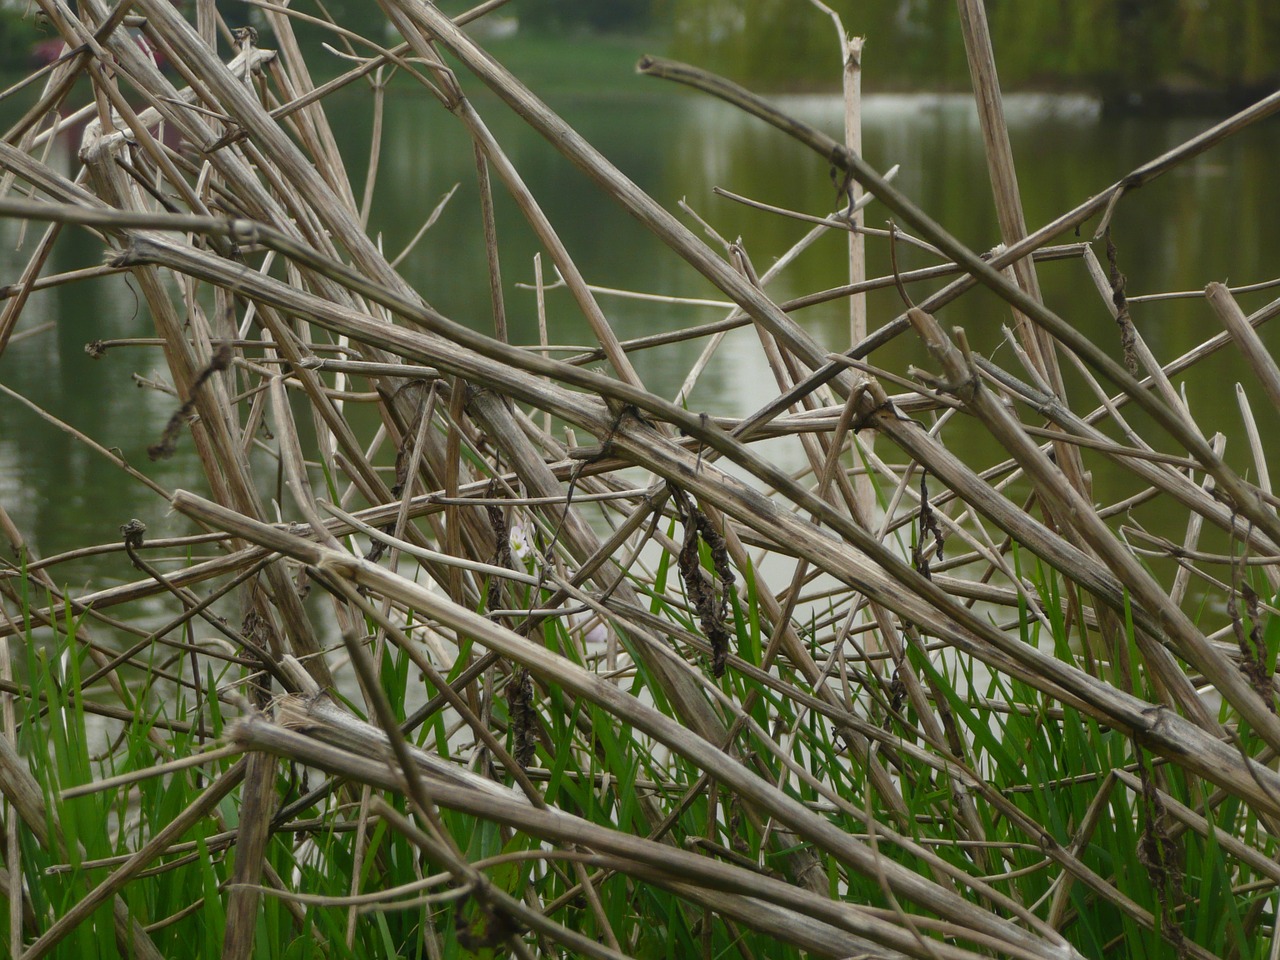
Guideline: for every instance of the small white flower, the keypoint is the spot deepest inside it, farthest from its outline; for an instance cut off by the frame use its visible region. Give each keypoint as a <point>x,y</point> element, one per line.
<point>521,536</point>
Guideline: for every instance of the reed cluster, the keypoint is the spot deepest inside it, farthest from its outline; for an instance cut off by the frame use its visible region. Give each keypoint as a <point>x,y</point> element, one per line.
<point>537,661</point>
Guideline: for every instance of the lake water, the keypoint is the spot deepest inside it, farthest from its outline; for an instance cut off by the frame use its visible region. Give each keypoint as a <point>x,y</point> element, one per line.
<point>1210,220</point>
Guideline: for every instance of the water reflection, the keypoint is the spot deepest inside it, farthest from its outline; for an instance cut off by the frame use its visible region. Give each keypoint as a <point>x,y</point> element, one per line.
<point>1204,222</point>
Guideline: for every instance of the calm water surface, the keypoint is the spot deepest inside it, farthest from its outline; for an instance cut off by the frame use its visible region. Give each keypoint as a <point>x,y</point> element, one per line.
<point>1210,220</point>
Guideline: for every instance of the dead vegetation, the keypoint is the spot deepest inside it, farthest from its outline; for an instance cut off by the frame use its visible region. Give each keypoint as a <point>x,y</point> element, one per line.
<point>972,718</point>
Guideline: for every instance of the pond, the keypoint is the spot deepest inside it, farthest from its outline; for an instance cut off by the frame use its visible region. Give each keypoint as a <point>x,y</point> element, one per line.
<point>1208,220</point>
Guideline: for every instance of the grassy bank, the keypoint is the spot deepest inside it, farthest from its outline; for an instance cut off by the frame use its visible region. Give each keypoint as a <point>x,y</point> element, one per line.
<point>586,65</point>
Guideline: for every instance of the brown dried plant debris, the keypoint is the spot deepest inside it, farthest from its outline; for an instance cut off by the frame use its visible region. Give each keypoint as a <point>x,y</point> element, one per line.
<point>1160,853</point>
<point>489,928</point>
<point>1128,339</point>
<point>712,605</point>
<point>928,527</point>
<point>524,731</point>
<point>164,448</point>
<point>404,457</point>
<point>502,548</point>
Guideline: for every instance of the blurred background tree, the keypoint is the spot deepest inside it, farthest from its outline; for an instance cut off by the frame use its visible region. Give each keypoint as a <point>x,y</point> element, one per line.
<point>606,16</point>
<point>1115,48</point>
<point>1111,47</point>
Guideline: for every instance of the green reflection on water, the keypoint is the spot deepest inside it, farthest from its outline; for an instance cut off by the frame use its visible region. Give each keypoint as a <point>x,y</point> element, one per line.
<point>1206,221</point>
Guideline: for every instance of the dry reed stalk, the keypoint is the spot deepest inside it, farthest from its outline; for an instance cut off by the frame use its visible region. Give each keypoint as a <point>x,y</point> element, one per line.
<point>1247,340</point>
<point>984,272</point>
<point>575,411</point>
<point>1004,180</point>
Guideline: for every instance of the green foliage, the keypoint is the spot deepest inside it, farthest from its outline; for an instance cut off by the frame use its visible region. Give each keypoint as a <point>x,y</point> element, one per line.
<point>20,33</point>
<point>1039,778</point>
<point>600,15</point>
<point>1108,46</point>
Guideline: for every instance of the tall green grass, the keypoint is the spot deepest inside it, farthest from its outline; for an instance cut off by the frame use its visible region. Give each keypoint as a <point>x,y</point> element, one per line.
<point>1046,761</point>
